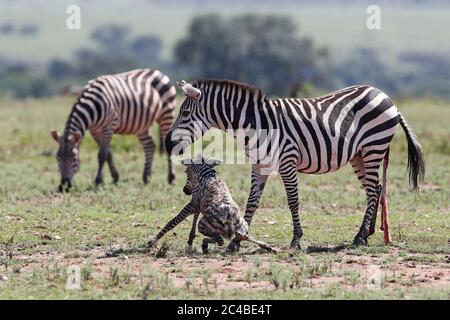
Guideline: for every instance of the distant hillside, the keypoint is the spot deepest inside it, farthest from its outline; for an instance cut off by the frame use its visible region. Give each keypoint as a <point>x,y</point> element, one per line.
<point>339,24</point>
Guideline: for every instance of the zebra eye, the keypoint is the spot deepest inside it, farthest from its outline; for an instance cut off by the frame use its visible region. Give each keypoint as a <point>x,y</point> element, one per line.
<point>185,113</point>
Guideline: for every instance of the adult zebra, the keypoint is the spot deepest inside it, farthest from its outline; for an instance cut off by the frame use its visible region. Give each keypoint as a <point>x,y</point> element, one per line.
<point>124,103</point>
<point>316,135</point>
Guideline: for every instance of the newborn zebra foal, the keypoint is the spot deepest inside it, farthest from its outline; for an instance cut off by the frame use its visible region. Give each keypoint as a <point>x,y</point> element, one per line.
<point>210,196</point>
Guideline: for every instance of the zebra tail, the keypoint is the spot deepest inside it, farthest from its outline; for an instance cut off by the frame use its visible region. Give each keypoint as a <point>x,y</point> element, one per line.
<point>416,164</point>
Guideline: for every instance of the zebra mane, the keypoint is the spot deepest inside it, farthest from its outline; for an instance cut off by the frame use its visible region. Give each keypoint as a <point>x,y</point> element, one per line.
<point>224,83</point>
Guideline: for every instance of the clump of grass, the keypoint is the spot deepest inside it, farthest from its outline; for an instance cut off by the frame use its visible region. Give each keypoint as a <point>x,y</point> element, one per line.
<point>114,277</point>
<point>279,276</point>
<point>86,272</point>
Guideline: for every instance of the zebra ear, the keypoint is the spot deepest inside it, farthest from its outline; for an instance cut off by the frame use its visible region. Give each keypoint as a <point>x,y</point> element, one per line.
<point>55,134</point>
<point>189,90</point>
<point>212,163</point>
<point>186,162</point>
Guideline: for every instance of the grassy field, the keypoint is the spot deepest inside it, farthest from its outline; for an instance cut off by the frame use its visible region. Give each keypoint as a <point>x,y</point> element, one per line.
<point>42,232</point>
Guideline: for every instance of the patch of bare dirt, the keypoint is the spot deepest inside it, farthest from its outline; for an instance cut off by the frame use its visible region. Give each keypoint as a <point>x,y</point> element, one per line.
<point>232,272</point>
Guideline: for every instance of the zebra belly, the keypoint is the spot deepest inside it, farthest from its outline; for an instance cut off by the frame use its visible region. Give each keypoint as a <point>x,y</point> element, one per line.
<point>137,121</point>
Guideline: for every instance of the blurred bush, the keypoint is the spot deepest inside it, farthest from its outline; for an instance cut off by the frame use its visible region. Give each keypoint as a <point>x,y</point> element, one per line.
<point>261,50</point>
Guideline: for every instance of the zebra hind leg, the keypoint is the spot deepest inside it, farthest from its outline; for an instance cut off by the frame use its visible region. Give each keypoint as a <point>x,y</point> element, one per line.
<point>112,166</point>
<point>149,147</point>
<point>366,168</point>
<point>211,234</point>
<point>213,238</point>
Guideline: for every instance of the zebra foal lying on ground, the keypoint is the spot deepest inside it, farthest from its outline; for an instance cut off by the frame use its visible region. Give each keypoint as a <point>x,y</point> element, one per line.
<point>314,136</point>
<point>211,197</point>
<point>125,103</point>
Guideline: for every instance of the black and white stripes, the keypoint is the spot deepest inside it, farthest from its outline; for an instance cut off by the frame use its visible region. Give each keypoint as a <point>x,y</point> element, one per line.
<point>316,136</point>
<point>125,103</point>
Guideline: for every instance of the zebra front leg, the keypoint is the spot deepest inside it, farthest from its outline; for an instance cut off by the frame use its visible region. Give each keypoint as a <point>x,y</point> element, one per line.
<point>101,163</point>
<point>103,140</point>
<point>171,175</point>
<point>288,174</point>
<point>189,209</point>
<point>149,147</point>
<point>258,182</point>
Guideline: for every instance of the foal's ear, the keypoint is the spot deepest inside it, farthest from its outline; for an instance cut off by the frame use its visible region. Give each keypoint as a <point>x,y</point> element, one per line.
<point>56,136</point>
<point>186,162</point>
<point>212,163</point>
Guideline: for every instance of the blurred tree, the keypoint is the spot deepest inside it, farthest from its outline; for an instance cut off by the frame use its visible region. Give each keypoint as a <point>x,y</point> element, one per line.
<point>59,69</point>
<point>116,52</point>
<point>6,28</point>
<point>364,66</point>
<point>29,30</point>
<point>93,63</point>
<point>262,50</point>
<point>21,82</point>
<point>427,73</point>
<point>146,49</point>
<point>112,38</point>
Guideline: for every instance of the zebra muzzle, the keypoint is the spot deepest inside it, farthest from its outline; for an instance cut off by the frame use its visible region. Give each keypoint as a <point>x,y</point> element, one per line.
<point>65,181</point>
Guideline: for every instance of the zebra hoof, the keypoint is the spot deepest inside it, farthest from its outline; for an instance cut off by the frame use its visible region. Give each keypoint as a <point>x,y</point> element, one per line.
<point>295,245</point>
<point>233,247</point>
<point>115,179</point>
<point>189,249</point>
<point>151,243</point>
<point>359,241</point>
<point>98,181</point>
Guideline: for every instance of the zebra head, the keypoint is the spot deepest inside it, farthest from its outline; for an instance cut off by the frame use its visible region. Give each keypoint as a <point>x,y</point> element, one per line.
<point>197,170</point>
<point>67,156</point>
<point>191,122</point>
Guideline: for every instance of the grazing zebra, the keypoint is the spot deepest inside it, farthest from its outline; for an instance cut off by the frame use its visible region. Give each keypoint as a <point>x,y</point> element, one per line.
<point>211,197</point>
<point>125,103</point>
<point>316,136</point>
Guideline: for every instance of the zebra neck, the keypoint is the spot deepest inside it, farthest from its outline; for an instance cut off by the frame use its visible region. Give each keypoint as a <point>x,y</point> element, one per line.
<point>235,114</point>
<point>206,178</point>
<point>79,121</point>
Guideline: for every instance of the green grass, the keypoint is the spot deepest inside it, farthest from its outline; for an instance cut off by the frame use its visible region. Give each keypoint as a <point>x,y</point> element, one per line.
<point>43,232</point>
